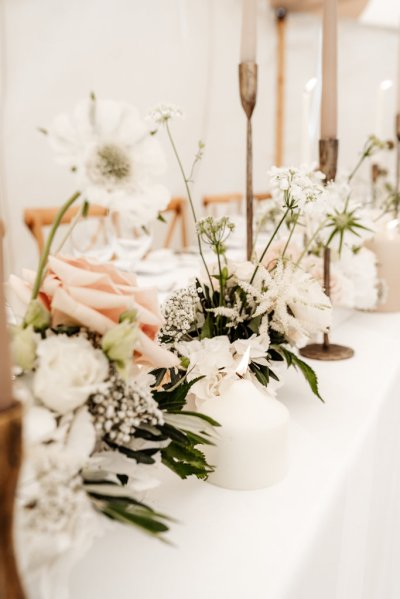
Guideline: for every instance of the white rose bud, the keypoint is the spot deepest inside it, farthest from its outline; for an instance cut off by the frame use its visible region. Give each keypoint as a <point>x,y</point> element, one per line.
<point>119,342</point>
<point>23,347</point>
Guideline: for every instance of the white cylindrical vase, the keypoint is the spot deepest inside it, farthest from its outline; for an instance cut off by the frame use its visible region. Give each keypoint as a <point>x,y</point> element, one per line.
<point>251,450</point>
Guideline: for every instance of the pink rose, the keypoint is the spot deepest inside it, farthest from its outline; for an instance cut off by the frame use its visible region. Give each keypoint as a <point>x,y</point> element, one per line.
<point>77,291</point>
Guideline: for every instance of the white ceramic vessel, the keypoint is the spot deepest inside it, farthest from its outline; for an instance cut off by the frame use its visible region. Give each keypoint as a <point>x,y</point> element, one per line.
<point>251,450</point>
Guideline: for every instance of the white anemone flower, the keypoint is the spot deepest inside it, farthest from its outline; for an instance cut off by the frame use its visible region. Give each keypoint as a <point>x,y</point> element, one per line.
<point>115,157</point>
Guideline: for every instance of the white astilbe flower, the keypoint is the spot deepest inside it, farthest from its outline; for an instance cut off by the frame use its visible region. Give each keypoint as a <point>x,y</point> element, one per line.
<point>180,311</point>
<point>114,156</point>
<point>261,301</point>
<point>295,187</point>
<point>301,308</point>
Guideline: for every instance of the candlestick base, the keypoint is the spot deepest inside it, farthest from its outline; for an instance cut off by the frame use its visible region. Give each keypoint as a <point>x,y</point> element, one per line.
<point>328,157</point>
<point>10,462</point>
<point>332,352</point>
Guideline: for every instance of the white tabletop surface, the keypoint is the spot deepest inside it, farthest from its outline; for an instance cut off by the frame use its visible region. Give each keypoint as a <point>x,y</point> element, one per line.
<point>330,530</point>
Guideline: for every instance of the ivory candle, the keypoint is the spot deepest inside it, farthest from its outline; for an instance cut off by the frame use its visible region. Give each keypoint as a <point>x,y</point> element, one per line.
<point>6,399</point>
<point>386,246</point>
<point>306,141</point>
<point>249,31</point>
<point>382,106</point>
<point>329,71</point>
<point>251,451</point>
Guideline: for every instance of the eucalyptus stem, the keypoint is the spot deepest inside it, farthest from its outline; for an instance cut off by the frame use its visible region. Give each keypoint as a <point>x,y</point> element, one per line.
<point>189,195</point>
<point>269,244</point>
<point>296,220</point>
<point>50,239</point>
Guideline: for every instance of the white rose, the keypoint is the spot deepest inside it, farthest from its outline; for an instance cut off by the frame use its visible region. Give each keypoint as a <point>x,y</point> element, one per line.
<point>69,370</point>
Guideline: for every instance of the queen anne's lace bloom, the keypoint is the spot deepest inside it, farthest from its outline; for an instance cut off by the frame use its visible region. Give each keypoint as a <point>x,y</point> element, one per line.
<point>296,187</point>
<point>164,112</point>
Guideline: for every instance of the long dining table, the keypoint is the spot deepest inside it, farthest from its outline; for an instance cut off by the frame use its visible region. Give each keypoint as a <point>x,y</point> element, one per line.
<point>329,530</point>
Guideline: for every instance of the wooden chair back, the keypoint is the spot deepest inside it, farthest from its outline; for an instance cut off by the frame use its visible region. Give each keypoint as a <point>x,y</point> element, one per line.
<point>213,201</point>
<point>37,219</point>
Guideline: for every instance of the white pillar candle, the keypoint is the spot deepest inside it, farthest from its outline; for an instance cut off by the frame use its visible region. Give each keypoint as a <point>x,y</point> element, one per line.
<point>251,451</point>
<point>382,107</point>
<point>306,137</point>
<point>386,246</point>
<point>249,31</point>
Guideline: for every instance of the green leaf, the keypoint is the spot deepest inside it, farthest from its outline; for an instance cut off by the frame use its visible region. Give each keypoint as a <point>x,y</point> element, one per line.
<point>201,416</point>
<point>254,324</point>
<point>142,457</point>
<point>161,218</point>
<point>143,518</point>
<point>208,328</point>
<point>175,399</point>
<point>305,369</point>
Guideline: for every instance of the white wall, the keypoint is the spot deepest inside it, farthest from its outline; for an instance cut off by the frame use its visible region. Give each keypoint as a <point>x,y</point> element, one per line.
<point>152,51</point>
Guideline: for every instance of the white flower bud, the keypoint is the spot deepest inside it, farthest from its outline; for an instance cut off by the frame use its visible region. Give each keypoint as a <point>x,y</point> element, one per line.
<point>23,347</point>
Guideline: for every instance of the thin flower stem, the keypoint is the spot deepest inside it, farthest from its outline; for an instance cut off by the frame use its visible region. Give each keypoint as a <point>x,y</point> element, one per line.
<point>269,244</point>
<point>312,238</point>
<point>45,255</point>
<point>186,181</point>
<point>296,220</point>
<point>221,283</point>
<point>70,229</point>
<point>364,155</point>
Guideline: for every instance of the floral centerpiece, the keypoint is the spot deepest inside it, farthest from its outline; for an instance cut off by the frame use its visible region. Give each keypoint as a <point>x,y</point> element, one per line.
<point>267,309</point>
<point>98,421</point>
<point>341,221</point>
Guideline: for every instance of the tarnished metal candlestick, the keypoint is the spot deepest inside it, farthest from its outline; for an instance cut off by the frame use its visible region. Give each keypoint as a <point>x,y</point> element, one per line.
<point>248,95</point>
<point>328,156</point>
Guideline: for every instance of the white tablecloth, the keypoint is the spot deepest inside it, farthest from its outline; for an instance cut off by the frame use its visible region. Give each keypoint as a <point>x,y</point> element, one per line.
<point>330,530</point>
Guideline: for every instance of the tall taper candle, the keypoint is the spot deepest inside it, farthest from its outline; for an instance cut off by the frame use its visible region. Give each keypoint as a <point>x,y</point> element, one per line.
<point>306,141</point>
<point>5,363</point>
<point>329,71</point>
<point>398,73</point>
<point>249,31</point>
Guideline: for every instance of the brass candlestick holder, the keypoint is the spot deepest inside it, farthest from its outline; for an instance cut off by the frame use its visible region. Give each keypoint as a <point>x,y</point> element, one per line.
<point>248,95</point>
<point>328,155</point>
<point>10,462</point>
